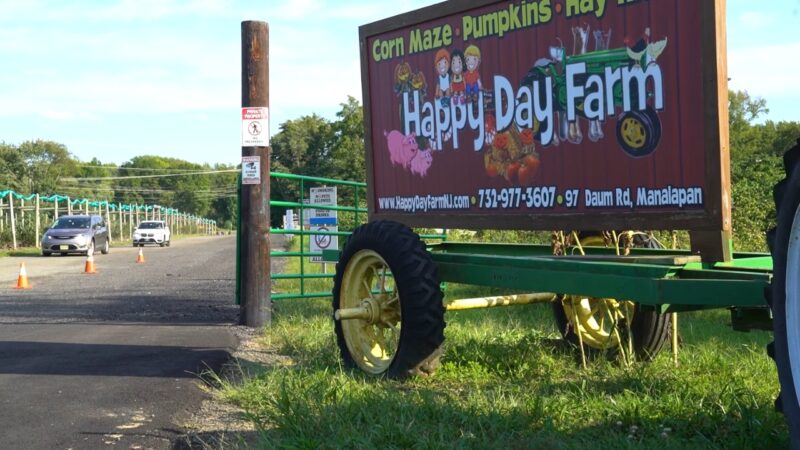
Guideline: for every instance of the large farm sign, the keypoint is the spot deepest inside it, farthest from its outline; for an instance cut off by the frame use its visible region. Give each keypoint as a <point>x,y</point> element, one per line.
<point>548,114</point>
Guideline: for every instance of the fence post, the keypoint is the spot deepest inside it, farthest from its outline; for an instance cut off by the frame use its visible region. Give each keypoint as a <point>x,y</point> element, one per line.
<point>69,206</point>
<point>119,216</point>
<point>108,221</point>
<point>256,304</point>
<point>38,222</point>
<point>13,226</point>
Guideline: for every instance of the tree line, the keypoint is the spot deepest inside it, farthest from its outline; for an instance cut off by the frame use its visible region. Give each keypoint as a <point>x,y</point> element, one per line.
<point>48,168</point>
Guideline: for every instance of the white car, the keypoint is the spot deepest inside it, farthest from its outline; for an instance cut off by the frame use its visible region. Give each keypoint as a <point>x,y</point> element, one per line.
<point>151,232</point>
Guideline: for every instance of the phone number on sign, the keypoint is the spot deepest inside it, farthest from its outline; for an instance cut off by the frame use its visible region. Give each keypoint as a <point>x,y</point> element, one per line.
<point>531,197</point>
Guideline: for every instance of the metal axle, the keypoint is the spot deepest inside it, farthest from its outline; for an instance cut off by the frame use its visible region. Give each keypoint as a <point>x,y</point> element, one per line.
<point>365,311</point>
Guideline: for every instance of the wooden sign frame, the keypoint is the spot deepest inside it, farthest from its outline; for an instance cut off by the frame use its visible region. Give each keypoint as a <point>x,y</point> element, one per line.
<point>710,226</point>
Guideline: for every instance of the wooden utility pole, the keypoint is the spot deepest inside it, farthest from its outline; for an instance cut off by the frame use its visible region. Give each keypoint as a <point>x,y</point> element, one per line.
<point>256,297</point>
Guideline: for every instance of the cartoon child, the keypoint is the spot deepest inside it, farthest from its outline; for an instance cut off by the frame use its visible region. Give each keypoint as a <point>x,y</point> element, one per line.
<point>472,77</point>
<point>442,64</point>
<point>457,85</point>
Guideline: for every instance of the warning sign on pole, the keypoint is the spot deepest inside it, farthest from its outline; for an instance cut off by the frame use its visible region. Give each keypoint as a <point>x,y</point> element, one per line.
<point>251,170</point>
<point>255,127</point>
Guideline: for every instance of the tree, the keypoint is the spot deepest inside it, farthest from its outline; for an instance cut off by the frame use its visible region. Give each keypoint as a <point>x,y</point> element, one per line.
<point>45,163</point>
<point>12,168</point>
<point>302,147</point>
<point>756,165</point>
<point>348,142</point>
<point>743,110</point>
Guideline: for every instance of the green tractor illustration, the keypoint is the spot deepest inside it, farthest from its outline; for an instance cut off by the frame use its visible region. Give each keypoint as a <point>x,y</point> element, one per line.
<point>638,131</point>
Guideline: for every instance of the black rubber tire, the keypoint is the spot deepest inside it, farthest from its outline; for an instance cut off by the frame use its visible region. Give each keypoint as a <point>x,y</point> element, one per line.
<point>787,202</point>
<point>650,329</point>
<point>90,250</point>
<point>422,332</point>
<point>162,244</point>
<point>652,125</point>
<point>106,248</point>
<point>46,253</point>
<point>655,123</point>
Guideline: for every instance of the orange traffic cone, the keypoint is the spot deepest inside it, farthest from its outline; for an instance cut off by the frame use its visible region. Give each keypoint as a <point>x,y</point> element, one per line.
<point>22,280</point>
<point>90,265</point>
<point>140,256</point>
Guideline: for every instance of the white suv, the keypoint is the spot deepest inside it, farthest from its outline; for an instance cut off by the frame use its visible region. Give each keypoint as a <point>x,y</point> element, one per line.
<point>151,232</point>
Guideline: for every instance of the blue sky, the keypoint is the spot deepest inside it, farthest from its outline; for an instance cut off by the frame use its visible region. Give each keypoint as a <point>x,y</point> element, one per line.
<point>114,79</point>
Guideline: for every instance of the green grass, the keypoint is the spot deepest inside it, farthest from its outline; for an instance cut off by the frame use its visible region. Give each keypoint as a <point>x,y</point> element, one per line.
<point>506,381</point>
<point>20,251</point>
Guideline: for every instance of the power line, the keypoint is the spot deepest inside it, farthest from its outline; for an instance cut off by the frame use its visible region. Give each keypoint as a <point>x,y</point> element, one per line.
<point>145,190</point>
<point>148,176</point>
<point>153,169</point>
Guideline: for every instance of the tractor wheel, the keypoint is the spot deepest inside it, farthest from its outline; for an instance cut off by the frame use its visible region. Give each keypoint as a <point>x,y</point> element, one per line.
<point>602,321</point>
<point>388,311</point>
<point>784,296</point>
<point>638,132</point>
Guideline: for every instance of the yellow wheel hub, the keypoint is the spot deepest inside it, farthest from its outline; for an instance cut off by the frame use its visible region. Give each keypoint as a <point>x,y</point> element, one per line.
<point>598,319</point>
<point>633,133</point>
<point>370,312</point>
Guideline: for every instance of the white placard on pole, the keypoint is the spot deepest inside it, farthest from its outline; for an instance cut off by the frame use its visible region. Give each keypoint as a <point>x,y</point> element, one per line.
<point>251,170</point>
<point>255,127</point>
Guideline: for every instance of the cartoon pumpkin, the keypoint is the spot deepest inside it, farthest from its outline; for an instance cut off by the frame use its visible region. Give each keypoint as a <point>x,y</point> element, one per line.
<point>402,76</point>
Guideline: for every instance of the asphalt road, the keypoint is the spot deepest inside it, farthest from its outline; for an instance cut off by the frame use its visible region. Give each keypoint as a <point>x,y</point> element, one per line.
<point>112,359</point>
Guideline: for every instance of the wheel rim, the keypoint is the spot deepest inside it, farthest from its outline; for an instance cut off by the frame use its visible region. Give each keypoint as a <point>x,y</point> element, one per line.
<point>368,282</point>
<point>793,301</point>
<point>597,319</point>
<point>633,133</point>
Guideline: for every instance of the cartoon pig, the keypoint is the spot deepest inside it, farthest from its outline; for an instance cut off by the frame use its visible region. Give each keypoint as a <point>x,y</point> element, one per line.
<point>422,162</point>
<point>402,149</point>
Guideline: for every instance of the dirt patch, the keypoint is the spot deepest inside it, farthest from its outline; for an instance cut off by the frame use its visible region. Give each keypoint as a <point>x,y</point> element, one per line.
<point>219,424</point>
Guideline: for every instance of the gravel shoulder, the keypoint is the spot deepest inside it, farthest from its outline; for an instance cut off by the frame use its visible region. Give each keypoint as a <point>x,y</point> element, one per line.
<point>221,425</point>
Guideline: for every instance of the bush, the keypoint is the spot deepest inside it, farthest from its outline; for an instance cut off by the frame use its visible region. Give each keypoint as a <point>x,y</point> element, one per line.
<point>26,235</point>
